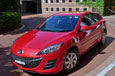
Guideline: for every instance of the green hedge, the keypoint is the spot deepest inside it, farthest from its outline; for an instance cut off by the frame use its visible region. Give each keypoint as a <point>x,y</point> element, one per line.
<point>9,20</point>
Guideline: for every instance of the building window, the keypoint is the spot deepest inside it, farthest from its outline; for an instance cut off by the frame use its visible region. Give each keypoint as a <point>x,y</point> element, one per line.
<point>63,9</point>
<point>63,1</point>
<point>77,0</point>
<point>93,0</point>
<point>51,1</point>
<point>70,0</point>
<point>46,1</point>
<point>57,9</point>
<point>77,9</point>
<point>57,1</point>
<point>85,9</point>
<point>93,9</point>
<point>46,9</point>
<point>70,9</point>
<point>52,9</point>
<point>85,0</point>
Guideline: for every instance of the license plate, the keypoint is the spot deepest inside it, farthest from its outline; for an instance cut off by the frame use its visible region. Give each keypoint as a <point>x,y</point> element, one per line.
<point>20,62</point>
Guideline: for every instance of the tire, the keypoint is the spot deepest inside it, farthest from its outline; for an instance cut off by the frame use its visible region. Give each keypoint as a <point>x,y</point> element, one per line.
<point>71,60</point>
<point>103,38</point>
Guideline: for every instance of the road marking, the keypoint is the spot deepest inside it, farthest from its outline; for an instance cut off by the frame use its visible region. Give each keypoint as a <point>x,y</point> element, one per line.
<point>107,69</point>
<point>102,66</point>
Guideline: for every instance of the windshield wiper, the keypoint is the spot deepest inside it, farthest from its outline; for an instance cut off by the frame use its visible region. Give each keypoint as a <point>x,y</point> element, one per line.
<point>44,30</point>
<point>47,30</point>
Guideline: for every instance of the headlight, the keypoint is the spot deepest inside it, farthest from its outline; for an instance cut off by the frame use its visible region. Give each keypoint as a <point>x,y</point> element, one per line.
<point>51,49</point>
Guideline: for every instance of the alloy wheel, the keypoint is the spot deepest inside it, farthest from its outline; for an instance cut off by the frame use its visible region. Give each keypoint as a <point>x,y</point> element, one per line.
<point>71,60</point>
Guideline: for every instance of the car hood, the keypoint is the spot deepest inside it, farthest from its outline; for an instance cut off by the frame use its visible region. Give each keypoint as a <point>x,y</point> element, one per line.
<point>40,39</point>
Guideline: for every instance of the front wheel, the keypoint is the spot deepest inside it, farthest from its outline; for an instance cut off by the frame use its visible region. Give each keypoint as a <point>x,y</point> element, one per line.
<point>71,60</point>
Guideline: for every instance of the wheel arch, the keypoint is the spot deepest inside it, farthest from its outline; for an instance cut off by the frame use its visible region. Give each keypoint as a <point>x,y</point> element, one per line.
<point>75,47</point>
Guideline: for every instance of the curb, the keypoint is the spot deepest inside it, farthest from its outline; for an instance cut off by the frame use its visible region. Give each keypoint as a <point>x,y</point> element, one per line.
<point>14,31</point>
<point>22,27</point>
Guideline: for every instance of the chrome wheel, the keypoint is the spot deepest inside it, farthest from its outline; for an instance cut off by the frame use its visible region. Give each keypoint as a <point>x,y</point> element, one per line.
<point>71,60</point>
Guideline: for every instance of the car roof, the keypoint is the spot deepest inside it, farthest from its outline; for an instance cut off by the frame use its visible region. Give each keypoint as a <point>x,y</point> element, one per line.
<point>73,13</point>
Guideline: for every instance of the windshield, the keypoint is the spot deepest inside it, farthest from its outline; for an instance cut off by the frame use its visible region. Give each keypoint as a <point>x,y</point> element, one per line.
<point>59,24</point>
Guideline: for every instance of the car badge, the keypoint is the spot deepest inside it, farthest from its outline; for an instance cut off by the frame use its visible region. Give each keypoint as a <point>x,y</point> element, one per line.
<point>20,52</point>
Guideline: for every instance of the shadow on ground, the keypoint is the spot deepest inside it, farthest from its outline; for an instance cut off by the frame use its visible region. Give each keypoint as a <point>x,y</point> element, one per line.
<point>7,69</point>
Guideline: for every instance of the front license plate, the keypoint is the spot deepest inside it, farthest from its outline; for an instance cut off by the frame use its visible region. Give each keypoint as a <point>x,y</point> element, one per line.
<point>20,62</point>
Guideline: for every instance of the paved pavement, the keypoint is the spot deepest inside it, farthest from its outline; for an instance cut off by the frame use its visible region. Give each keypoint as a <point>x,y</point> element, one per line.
<point>89,62</point>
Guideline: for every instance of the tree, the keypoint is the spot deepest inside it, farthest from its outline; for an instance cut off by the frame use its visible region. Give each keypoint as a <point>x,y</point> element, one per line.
<point>8,5</point>
<point>98,4</point>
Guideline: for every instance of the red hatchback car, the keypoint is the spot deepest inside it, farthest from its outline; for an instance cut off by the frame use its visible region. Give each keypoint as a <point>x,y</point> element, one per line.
<point>57,43</point>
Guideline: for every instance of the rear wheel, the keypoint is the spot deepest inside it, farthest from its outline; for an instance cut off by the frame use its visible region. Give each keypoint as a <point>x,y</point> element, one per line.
<point>71,60</point>
<point>103,38</point>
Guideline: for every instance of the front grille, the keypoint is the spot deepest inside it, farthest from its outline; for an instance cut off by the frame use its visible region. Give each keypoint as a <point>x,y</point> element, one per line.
<point>28,62</point>
<point>50,64</point>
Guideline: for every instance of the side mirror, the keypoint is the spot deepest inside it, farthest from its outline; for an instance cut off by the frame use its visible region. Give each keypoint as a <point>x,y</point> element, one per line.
<point>38,25</point>
<point>84,28</point>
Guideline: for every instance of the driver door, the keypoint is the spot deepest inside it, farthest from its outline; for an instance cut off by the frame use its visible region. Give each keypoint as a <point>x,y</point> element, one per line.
<point>86,37</point>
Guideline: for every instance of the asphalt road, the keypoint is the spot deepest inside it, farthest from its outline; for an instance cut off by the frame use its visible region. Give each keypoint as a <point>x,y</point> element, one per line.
<point>88,62</point>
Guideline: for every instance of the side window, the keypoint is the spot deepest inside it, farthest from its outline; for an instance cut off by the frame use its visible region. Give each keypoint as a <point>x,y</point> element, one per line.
<point>86,20</point>
<point>98,17</point>
<point>94,17</point>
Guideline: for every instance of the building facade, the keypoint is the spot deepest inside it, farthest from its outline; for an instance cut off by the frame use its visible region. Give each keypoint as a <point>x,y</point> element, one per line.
<point>52,6</point>
<point>55,6</point>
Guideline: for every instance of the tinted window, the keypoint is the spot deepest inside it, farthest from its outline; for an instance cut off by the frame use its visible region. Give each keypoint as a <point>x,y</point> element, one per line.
<point>46,1</point>
<point>52,9</point>
<point>46,9</point>
<point>77,0</point>
<point>63,1</point>
<point>85,9</point>
<point>63,9</point>
<point>93,9</point>
<point>57,1</point>
<point>51,1</point>
<point>70,0</point>
<point>98,17</point>
<point>95,17</point>
<point>59,23</point>
<point>87,20</point>
<point>57,9</point>
<point>70,9</point>
<point>77,9</point>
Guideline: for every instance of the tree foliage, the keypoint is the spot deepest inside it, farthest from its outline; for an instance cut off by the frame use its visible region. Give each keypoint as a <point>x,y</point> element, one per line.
<point>8,5</point>
<point>98,4</point>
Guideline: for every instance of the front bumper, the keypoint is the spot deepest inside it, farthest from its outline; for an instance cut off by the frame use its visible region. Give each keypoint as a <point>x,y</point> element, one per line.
<point>48,64</point>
